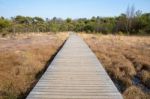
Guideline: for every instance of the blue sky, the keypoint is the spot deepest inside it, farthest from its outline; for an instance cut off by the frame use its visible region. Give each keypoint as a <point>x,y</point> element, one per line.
<point>69,8</point>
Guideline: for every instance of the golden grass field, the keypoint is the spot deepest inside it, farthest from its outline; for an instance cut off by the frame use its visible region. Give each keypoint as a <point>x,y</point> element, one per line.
<point>23,58</point>
<point>127,61</point>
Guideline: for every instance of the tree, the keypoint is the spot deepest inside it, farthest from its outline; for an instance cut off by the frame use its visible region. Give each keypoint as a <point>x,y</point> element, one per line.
<point>4,23</point>
<point>145,22</point>
<point>39,24</point>
<point>132,22</point>
<point>130,14</point>
<point>121,23</point>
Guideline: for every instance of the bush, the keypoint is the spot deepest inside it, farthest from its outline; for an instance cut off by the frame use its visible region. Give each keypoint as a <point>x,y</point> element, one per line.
<point>120,33</point>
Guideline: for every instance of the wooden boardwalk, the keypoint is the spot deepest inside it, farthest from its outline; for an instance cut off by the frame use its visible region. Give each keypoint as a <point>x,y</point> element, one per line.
<point>75,73</point>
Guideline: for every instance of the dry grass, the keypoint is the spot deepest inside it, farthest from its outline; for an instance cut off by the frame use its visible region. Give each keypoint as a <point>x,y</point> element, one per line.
<point>22,59</point>
<point>134,92</point>
<point>127,61</point>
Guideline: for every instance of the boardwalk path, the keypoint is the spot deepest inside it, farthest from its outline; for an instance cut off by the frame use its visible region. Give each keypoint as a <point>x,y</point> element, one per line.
<point>75,73</point>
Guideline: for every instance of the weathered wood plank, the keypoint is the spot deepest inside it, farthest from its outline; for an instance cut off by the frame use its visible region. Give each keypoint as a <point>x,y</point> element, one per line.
<point>75,73</point>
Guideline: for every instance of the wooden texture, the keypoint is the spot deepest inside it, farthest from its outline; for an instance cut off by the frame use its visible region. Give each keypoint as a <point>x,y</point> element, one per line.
<point>75,73</point>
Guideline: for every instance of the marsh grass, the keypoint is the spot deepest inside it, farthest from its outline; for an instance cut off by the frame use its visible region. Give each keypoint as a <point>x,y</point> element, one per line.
<point>124,58</point>
<point>23,60</point>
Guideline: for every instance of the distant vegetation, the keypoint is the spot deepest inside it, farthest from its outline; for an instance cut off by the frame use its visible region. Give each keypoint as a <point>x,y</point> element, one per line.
<point>132,22</point>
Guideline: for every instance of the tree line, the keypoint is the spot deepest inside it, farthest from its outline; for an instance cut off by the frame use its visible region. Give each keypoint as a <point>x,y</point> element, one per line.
<point>131,22</point>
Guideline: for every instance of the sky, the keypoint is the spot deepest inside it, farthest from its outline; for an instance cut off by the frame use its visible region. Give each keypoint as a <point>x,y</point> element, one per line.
<point>69,8</point>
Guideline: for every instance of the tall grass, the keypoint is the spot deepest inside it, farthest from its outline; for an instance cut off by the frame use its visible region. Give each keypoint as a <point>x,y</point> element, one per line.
<point>127,61</point>
<point>22,59</point>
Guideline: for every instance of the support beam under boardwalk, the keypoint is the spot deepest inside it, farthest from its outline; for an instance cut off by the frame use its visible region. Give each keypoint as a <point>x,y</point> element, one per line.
<point>75,73</point>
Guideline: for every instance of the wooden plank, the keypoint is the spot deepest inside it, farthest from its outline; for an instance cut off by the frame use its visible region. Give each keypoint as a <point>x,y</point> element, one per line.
<point>75,73</point>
